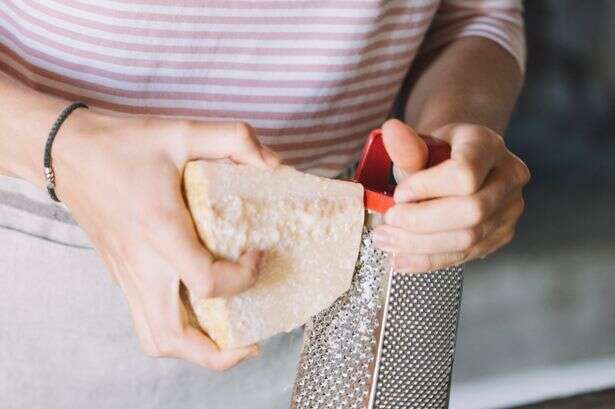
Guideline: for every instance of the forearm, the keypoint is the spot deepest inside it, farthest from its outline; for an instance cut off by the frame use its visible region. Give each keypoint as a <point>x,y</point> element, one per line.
<point>471,80</point>
<point>25,119</point>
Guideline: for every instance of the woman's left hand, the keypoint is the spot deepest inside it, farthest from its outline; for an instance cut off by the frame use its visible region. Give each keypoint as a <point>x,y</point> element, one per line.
<point>462,209</point>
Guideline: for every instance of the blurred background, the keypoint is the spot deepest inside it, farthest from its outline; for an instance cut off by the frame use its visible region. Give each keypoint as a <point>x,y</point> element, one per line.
<point>538,319</point>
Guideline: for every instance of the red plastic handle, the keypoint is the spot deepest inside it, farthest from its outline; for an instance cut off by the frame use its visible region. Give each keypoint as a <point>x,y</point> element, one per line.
<point>374,170</point>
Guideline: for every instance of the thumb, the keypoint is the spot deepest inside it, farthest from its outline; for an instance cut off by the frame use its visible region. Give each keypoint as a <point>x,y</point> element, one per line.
<point>407,149</point>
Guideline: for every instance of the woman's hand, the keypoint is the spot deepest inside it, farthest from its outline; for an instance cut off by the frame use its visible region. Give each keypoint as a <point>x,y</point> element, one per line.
<point>121,179</point>
<point>461,209</point>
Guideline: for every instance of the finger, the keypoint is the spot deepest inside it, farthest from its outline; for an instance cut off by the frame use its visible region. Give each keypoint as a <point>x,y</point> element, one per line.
<point>474,151</point>
<point>174,236</point>
<point>196,347</point>
<point>420,263</point>
<point>272,159</point>
<point>417,263</point>
<point>146,286</point>
<point>232,140</point>
<point>176,338</point>
<point>454,212</point>
<point>407,150</point>
<point>399,241</point>
<point>501,238</point>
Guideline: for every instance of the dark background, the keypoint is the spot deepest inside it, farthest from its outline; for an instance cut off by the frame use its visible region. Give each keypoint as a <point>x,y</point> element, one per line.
<point>538,318</point>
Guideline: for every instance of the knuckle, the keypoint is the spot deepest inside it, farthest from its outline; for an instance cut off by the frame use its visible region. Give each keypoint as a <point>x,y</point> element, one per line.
<point>217,365</point>
<point>251,274</point>
<point>162,349</point>
<point>462,129</point>
<point>470,237</point>
<point>420,264</point>
<point>476,212</point>
<point>497,139</point>
<point>203,287</point>
<point>522,173</point>
<point>244,131</point>
<point>508,237</point>
<point>187,128</point>
<point>467,179</point>
<point>519,208</point>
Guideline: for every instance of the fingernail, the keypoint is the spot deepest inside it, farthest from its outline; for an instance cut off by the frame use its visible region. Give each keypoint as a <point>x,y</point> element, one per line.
<point>381,239</point>
<point>404,195</point>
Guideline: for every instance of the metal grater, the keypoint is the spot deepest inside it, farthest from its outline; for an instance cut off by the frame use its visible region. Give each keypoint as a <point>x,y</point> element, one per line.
<point>389,341</point>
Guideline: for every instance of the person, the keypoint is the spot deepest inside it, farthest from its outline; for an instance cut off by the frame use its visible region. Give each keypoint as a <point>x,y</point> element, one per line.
<point>168,82</point>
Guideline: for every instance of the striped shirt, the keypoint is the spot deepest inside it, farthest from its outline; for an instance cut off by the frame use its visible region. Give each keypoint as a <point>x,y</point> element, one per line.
<point>312,77</point>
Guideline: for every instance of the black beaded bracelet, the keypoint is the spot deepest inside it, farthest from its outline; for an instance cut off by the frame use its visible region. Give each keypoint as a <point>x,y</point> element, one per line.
<point>49,174</point>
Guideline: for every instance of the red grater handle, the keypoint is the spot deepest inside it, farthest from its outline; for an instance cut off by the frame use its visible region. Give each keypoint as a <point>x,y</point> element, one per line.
<point>374,169</point>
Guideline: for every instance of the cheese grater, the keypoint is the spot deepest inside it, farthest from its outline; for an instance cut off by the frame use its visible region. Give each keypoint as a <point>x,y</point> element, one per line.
<point>389,341</point>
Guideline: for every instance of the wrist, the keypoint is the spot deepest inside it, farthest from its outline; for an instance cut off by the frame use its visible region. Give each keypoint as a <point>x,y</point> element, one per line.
<point>25,159</point>
<point>23,138</point>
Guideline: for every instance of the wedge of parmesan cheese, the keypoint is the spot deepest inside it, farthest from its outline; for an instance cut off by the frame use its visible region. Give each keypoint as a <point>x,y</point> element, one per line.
<point>308,227</point>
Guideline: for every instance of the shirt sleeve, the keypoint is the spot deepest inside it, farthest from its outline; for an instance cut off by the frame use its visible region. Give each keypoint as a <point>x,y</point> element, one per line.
<point>498,20</point>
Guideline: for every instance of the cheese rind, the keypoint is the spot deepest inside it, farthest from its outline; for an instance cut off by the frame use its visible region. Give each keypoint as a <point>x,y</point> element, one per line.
<point>309,230</point>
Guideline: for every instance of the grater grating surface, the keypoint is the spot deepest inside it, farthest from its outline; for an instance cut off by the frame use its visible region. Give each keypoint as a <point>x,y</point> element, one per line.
<point>412,359</point>
<point>338,351</point>
<point>419,340</point>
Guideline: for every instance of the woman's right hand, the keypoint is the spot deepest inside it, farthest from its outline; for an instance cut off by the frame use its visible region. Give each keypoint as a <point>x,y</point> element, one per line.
<point>121,178</point>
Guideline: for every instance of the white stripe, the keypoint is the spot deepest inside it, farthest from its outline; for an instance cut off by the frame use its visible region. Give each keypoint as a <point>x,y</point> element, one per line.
<point>487,3</point>
<point>258,123</point>
<point>213,105</point>
<point>228,107</point>
<point>274,74</point>
<point>155,86</point>
<point>323,151</point>
<point>189,26</point>
<point>175,10</point>
<point>74,42</point>
<point>495,17</point>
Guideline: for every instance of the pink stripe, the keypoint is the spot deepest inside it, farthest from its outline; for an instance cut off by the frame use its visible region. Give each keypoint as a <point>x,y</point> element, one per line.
<point>187,80</point>
<point>204,96</point>
<point>191,49</point>
<point>450,31</point>
<point>216,35</point>
<point>224,20</point>
<point>280,147</point>
<point>510,17</point>
<point>183,18</point>
<point>140,63</point>
<point>302,145</point>
<point>449,7</point>
<point>335,166</point>
<point>472,18</point>
<point>319,128</point>
<point>268,5</point>
<point>343,151</point>
<point>196,112</point>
